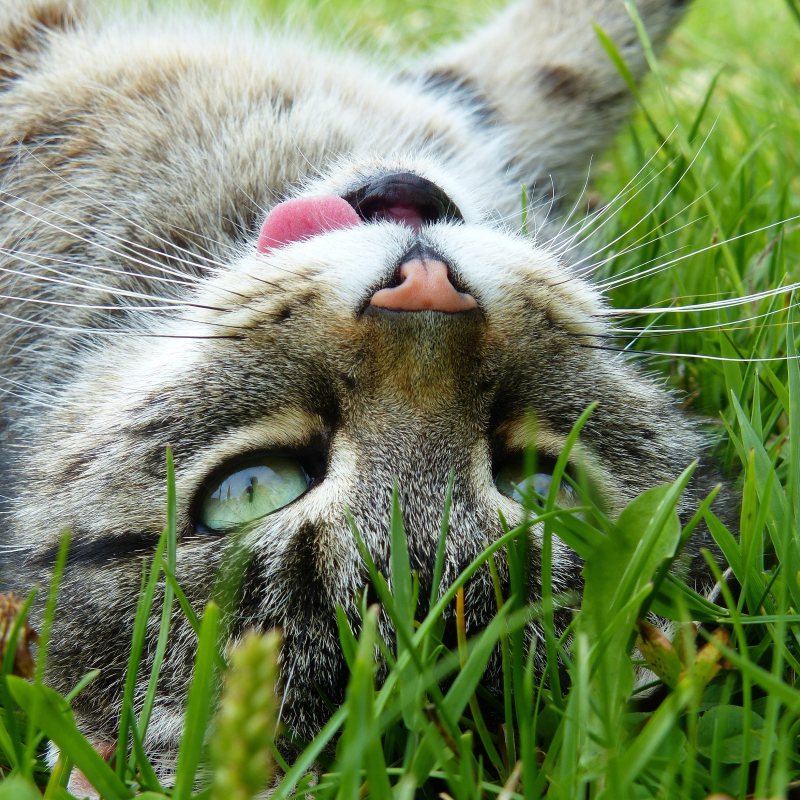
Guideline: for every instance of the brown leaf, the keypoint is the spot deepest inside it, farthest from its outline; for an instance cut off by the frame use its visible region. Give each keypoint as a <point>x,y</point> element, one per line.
<point>10,607</point>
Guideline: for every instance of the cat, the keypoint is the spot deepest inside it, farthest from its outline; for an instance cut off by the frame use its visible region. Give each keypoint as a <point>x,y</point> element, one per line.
<point>304,272</point>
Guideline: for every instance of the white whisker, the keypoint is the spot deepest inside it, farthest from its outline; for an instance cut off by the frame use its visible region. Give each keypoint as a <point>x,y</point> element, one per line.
<point>575,205</point>
<point>140,257</point>
<point>68,282</point>
<point>190,282</point>
<point>130,221</point>
<point>653,209</point>
<point>26,393</point>
<point>696,356</point>
<point>729,325</point>
<point>149,263</point>
<point>613,283</point>
<point>113,331</point>
<point>638,245</point>
<point>630,191</point>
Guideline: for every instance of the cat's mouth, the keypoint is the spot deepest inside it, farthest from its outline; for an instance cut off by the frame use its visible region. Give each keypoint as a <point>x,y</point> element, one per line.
<point>405,198</point>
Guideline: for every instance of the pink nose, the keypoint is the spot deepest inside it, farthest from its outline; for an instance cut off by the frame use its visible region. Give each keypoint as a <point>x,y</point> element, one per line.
<point>425,287</point>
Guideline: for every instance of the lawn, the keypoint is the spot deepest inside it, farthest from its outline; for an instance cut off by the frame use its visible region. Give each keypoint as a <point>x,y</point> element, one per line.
<point>695,225</point>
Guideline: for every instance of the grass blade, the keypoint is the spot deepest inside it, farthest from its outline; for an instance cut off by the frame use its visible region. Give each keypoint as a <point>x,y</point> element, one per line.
<point>198,704</point>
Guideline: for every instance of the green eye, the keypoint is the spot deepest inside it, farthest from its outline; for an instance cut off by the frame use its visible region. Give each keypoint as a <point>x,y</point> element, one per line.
<point>253,492</point>
<point>515,481</point>
<point>512,483</point>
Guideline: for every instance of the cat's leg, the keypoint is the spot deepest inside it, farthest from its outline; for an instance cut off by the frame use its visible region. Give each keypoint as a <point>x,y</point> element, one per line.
<point>539,71</point>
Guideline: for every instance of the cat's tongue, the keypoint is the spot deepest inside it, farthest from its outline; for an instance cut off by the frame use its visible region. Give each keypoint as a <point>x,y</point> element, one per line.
<point>302,218</point>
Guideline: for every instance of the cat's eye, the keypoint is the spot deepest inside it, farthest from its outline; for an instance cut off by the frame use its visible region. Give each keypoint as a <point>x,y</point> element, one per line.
<point>522,479</point>
<point>254,489</point>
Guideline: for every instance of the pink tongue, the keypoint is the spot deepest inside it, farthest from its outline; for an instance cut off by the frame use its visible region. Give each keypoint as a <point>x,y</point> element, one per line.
<point>302,218</point>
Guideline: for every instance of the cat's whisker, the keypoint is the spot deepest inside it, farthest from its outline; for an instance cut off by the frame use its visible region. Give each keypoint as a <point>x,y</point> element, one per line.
<point>128,220</point>
<point>550,204</point>
<point>632,186</point>
<point>19,445</point>
<point>253,202</point>
<point>139,250</point>
<point>27,393</point>
<point>639,244</point>
<point>314,169</point>
<point>575,206</point>
<point>629,346</point>
<point>149,264</point>
<point>514,221</point>
<point>587,270</point>
<point>663,199</point>
<point>139,257</point>
<point>11,549</point>
<point>112,332</point>
<point>92,307</point>
<point>233,250</point>
<point>190,282</point>
<point>614,283</point>
<point>727,325</point>
<point>524,220</point>
<point>678,299</point>
<point>582,229</point>
<point>69,282</point>
<point>577,239</point>
<point>695,356</point>
<point>26,398</point>
<point>633,248</point>
<point>613,207</point>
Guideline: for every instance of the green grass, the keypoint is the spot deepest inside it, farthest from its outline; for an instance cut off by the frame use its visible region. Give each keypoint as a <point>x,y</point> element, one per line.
<point>728,718</point>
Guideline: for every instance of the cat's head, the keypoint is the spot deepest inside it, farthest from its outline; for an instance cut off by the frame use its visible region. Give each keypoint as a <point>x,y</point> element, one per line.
<point>366,338</point>
<point>294,376</point>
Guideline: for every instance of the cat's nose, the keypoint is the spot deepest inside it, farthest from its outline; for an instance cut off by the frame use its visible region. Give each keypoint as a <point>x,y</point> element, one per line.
<point>424,286</point>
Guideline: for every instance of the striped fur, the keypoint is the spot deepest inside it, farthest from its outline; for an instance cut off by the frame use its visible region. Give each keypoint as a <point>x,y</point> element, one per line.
<point>138,157</point>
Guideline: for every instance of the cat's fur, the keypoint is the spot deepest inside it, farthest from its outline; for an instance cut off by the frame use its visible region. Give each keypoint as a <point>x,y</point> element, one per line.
<point>138,157</point>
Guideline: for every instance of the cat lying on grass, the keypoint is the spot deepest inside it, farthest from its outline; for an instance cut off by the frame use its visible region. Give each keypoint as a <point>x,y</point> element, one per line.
<point>307,276</point>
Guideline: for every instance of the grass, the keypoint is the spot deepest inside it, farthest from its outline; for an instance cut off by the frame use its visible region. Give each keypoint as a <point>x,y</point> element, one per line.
<point>727,719</point>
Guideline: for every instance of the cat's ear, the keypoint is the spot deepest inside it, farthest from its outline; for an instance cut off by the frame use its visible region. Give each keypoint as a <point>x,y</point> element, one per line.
<point>26,29</point>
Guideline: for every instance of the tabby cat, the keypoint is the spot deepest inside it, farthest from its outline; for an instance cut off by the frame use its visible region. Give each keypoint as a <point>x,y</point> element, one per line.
<point>305,273</point>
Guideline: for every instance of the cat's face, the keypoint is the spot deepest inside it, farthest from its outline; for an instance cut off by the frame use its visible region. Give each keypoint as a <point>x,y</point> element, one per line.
<point>291,401</point>
<point>146,315</point>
